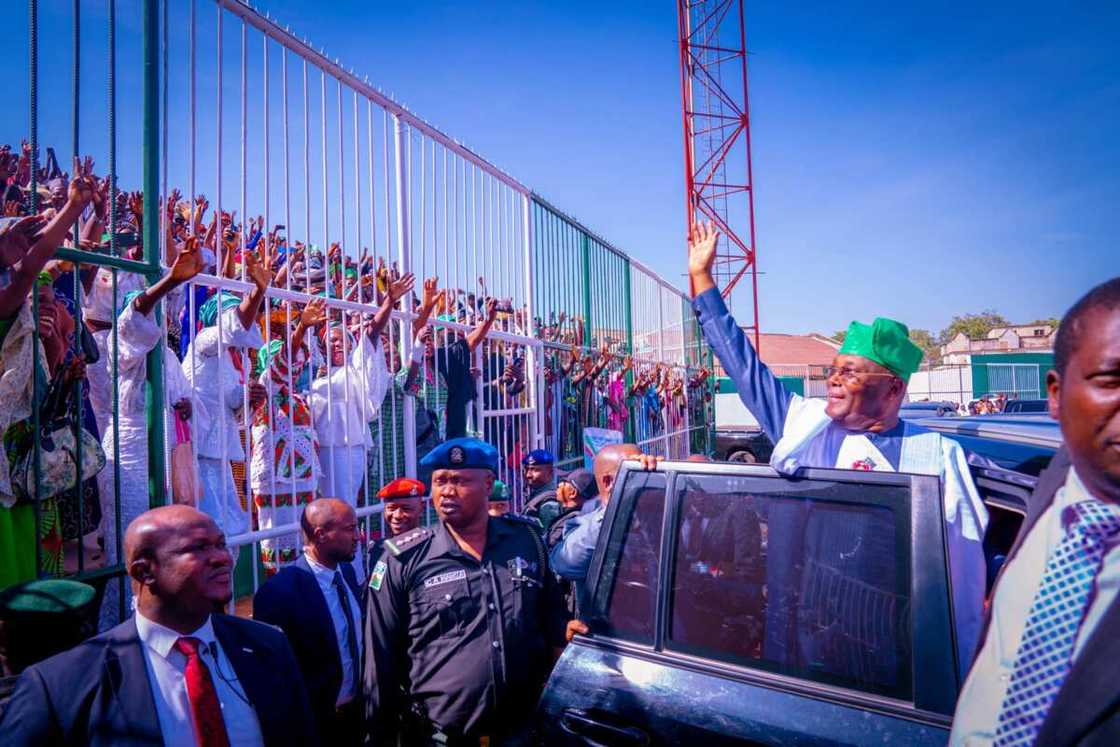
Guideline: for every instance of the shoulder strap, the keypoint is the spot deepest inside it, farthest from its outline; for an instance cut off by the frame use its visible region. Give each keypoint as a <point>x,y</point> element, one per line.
<point>407,542</point>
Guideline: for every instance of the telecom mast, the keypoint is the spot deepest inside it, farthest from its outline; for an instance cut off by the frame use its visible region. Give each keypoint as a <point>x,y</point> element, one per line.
<point>717,141</point>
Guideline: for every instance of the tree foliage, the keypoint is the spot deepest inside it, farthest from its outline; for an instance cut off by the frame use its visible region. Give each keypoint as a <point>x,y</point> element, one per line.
<point>975,326</point>
<point>924,339</point>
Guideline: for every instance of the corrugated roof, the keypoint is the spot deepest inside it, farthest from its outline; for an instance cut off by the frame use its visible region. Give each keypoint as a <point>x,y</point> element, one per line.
<point>796,350</point>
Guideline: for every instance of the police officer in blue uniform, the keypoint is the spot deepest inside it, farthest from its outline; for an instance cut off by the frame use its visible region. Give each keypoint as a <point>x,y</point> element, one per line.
<point>539,470</point>
<point>461,616</point>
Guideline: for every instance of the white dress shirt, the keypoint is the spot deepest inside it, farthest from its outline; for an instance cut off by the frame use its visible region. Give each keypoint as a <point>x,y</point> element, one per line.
<point>982,696</point>
<point>325,577</point>
<point>166,667</point>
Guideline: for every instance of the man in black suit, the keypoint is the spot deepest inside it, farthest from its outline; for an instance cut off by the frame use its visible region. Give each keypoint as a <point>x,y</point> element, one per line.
<point>317,602</point>
<point>175,673</point>
<point>1045,673</point>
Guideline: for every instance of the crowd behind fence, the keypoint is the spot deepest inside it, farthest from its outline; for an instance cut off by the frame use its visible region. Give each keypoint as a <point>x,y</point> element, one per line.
<point>340,287</point>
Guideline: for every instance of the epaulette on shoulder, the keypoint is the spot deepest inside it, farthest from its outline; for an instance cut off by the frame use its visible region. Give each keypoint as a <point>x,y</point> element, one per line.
<point>408,541</point>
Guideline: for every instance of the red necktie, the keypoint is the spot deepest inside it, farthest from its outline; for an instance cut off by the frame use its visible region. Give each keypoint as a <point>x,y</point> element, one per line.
<point>206,711</point>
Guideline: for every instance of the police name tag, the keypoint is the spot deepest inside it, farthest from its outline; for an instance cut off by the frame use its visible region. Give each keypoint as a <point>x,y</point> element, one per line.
<point>378,575</point>
<point>445,578</point>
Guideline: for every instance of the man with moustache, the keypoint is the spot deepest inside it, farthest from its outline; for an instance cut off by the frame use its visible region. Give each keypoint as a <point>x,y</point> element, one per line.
<point>176,673</point>
<point>316,601</point>
<point>460,616</point>
<point>857,427</point>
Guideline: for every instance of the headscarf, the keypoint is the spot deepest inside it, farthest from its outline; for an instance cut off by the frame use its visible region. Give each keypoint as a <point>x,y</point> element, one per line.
<point>267,353</point>
<point>208,312</point>
<point>128,299</point>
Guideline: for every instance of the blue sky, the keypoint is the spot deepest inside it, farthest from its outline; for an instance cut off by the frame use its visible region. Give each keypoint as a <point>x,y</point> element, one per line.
<point>910,160</point>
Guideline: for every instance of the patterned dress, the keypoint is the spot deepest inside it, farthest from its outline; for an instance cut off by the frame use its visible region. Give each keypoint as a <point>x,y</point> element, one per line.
<point>284,462</point>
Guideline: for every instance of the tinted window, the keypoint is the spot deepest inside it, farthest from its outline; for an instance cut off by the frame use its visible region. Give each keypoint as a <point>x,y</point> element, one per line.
<point>809,579</point>
<point>628,590</point>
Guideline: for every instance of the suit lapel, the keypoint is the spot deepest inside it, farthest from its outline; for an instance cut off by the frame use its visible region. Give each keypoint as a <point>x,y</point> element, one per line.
<point>1089,691</point>
<point>313,593</point>
<point>250,664</point>
<point>352,581</point>
<point>127,676</point>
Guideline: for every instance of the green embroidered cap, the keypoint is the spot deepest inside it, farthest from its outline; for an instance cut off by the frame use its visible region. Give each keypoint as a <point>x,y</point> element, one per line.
<point>886,342</point>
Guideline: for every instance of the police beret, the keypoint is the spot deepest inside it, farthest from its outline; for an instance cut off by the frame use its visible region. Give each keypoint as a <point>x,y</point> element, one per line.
<point>402,487</point>
<point>583,480</point>
<point>46,597</point>
<point>537,458</point>
<point>500,493</point>
<point>462,453</point>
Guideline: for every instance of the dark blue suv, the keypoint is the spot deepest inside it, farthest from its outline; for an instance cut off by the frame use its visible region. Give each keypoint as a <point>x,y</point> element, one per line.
<point>731,605</point>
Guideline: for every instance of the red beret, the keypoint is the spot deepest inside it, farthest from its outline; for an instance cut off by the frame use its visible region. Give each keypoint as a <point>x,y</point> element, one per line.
<point>402,487</point>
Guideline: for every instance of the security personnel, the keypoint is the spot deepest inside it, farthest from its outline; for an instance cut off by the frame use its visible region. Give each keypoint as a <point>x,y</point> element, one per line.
<point>403,501</point>
<point>461,616</point>
<point>539,469</point>
<point>499,499</point>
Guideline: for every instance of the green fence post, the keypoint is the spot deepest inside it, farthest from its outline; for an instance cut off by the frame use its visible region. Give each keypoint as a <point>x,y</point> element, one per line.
<point>631,426</point>
<point>585,260</point>
<point>156,468</point>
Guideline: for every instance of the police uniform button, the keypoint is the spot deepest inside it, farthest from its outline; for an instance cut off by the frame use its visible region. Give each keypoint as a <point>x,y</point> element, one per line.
<point>491,606</point>
<point>494,644</point>
<point>447,597</point>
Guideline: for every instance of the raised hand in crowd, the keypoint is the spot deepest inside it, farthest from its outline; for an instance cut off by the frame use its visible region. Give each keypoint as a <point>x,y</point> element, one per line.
<point>82,190</point>
<point>314,315</point>
<point>478,334</point>
<point>261,277</point>
<point>17,239</point>
<point>187,265</point>
<point>136,207</point>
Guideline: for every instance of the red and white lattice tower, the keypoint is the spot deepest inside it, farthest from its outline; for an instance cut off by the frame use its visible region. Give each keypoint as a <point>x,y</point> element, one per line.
<point>717,142</point>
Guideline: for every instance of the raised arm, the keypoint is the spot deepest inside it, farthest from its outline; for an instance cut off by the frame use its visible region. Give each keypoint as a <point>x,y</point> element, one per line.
<point>432,294</point>
<point>314,314</point>
<point>758,388</point>
<point>251,304</point>
<point>187,265</point>
<point>397,290</point>
<point>478,334</point>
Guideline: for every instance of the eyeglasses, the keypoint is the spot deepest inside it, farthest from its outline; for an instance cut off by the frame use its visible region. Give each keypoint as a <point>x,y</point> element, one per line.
<point>850,376</point>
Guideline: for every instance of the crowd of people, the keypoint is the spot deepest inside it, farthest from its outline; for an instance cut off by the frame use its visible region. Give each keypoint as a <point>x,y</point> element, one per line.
<point>281,400</point>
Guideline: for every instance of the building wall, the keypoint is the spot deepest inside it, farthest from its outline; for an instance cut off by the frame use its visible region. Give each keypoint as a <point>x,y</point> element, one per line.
<point>981,375</point>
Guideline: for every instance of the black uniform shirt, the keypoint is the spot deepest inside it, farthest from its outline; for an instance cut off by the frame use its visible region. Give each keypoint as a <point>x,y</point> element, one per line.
<point>464,643</point>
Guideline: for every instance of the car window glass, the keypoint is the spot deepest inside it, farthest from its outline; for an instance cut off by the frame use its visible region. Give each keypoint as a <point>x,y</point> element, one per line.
<point>809,579</point>
<point>629,576</point>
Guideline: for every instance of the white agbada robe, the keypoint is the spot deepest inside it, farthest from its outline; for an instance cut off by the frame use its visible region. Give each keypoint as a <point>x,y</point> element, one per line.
<point>97,305</point>
<point>215,434</point>
<point>343,404</point>
<point>137,334</point>
<point>811,439</point>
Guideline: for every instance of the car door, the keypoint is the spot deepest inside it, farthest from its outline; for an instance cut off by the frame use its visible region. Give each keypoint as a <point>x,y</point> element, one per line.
<point>731,605</point>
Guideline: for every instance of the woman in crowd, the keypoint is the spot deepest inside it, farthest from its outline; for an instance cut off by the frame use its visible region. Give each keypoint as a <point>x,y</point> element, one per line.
<point>216,367</point>
<point>126,442</point>
<point>284,469</point>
